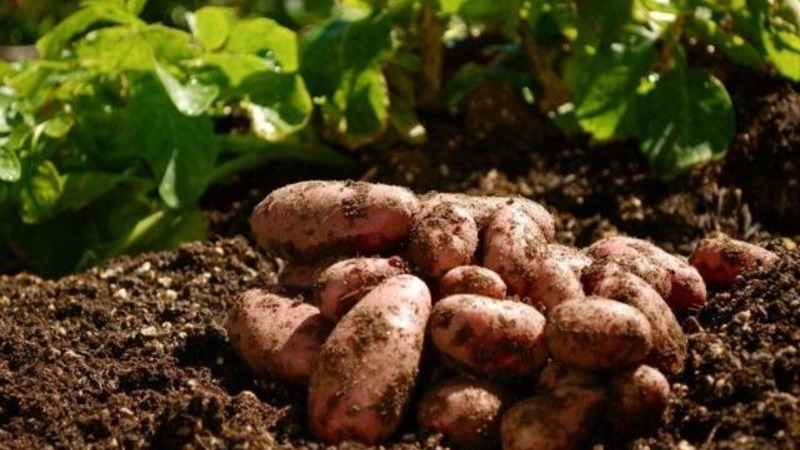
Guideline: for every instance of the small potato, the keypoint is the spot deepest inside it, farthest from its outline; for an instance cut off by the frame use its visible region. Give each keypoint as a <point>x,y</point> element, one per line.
<point>481,208</point>
<point>472,280</point>
<point>495,338</point>
<point>637,400</point>
<point>367,369</point>
<point>277,336</point>
<point>553,283</point>
<point>464,410</point>
<point>312,219</point>
<point>342,285</point>
<point>301,277</point>
<point>572,257</point>
<point>721,259</point>
<point>598,334</point>
<point>559,421</point>
<point>513,246</point>
<point>556,377</point>
<point>442,237</point>
<point>669,343</point>
<point>632,260</point>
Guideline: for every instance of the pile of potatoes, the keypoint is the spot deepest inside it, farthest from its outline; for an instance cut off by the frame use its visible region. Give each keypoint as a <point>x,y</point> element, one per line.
<point>549,343</point>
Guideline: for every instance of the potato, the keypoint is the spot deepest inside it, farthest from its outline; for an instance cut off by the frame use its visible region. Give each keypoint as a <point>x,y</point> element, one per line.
<point>472,280</point>
<point>366,370</point>
<point>669,343</point>
<point>342,285</point>
<point>554,282</point>
<point>632,260</point>
<point>301,277</point>
<point>312,219</point>
<point>513,246</point>
<point>721,259</point>
<point>277,336</point>
<point>556,377</point>
<point>637,399</point>
<point>562,420</point>
<point>464,410</point>
<point>495,338</point>
<point>442,237</point>
<point>572,257</point>
<point>687,288</point>
<point>481,208</point>
<point>598,334</point>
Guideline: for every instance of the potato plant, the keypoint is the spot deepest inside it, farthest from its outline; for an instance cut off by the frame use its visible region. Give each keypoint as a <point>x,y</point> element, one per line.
<point>600,358</point>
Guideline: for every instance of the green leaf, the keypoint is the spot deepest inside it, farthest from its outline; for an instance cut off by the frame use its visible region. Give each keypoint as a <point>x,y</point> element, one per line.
<point>135,6</point>
<point>735,46</point>
<point>211,25</point>
<point>358,111</point>
<point>58,126</point>
<point>265,37</point>
<point>10,166</point>
<point>122,48</point>
<point>192,98</point>
<point>237,67</point>
<point>40,193</point>
<point>278,104</point>
<point>466,79</point>
<point>602,21</point>
<point>180,150</point>
<point>783,51</point>
<point>687,118</point>
<point>84,187</point>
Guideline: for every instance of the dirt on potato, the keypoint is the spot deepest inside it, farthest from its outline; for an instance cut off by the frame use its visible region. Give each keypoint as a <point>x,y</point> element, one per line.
<point>133,354</point>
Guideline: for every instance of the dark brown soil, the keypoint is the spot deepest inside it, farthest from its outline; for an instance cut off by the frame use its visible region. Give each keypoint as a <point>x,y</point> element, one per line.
<point>132,354</point>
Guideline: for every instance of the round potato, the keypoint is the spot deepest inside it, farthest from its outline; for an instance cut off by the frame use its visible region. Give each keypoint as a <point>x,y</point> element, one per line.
<point>464,410</point>
<point>637,400</point>
<point>609,250</point>
<point>277,336</point>
<point>367,369</point>
<point>556,377</point>
<point>495,338</point>
<point>301,277</point>
<point>443,236</point>
<point>553,283</point>
<point>312,219</point>
<point>343,284</point>
<point>562,420</point>
<point>721,259</point>
<point>598,334</point>
<point>472,280</point>
<point>572,257</point>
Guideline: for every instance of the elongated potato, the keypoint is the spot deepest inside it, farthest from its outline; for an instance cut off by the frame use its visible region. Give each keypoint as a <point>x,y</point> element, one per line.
<point>442,237</point>
<point>513,246</point>
<point>301,277</point>
<point>687,288</point>
<point>598,334</point>
<point>669,343</point>
<point>342,285</point>
<point>312,219</point>
<point>637,400</point>
<point>721,259</point>
<point>481,208</point>
<point>571,257</point>
<point>556,376</point>
<point>632,260</point>
<point>472,280</point>
<point>554,282</point>
<point>495,338</point>
<point>464,410</point>
<point>366,371</point>
<point>277,336</point>
<point>562,420</point>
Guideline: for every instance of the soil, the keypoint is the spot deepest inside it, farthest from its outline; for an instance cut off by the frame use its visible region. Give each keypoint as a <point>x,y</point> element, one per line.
<point>132,354</point>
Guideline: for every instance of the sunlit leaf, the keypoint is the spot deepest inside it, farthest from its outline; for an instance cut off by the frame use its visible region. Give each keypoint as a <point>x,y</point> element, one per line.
<point>192,98</point>
<point>267,38</point>
<point>211,25</point>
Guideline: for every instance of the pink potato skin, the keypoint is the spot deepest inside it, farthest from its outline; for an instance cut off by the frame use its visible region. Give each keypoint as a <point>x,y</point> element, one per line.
<point>501,339</point>
<point>277,336</point>
<point>598,334</point>
<point>301,277</point>
<point>554,283</point>
<point>472,280</point>
<point>443,236</point>
<point>309,220</point>
<point>466,411</point>
<point>513,247</point>
<point>637,399</point>
<point>556,376</point>
<point>571,257</point>
<point>610,250</point>
<point>366,372</point>
<point>669,343</point>
<point>562,420</point>
<point>721,259</point>
<point>343,284</point>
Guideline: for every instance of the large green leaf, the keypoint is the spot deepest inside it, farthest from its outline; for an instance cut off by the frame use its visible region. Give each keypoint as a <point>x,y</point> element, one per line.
<point>237,67</point>
<point>359,110</point>
<point>134,48</point>
<point>265,37</point>
<point>687,118</point>
<point>278,104</point>
<point>40,193</point>
<point>783,51</point>
<point>192,98</point>
<point>84,187</point>
<point>211,26</point>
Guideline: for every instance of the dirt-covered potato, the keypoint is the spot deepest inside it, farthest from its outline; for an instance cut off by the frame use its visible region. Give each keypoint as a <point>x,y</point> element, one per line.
<point>556,376</point>
<point>465,410</point>
<point>553,283</point>
<point>341,285</point>
<point>277,336</point>
<point>562,420</point>
<point>472,280</point>
<point>669,343</point>
<point>721,259</point>
<point>442,237</point>
<point>513,246</point>
<point>572,257</point>
<point>637,399</point>
<point>609,250</point>
<point>301,277</point>
<point>312,219</point>
<point>598,334</point>
<point>495,338</point>
<point>367,369</point>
